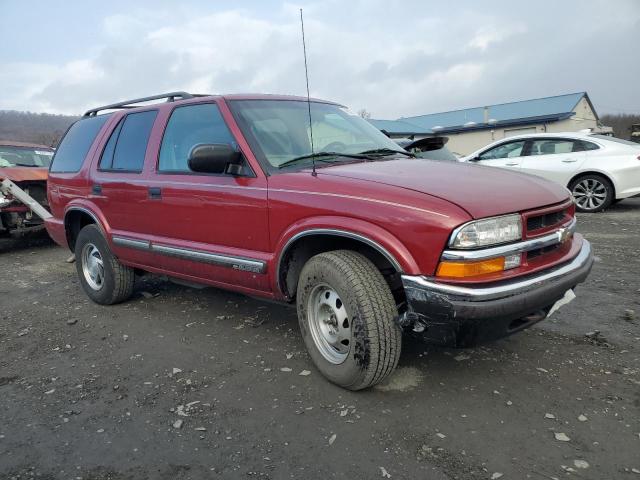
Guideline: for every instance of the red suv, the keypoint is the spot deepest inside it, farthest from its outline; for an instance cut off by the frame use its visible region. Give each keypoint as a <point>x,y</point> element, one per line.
<point>279,198</point>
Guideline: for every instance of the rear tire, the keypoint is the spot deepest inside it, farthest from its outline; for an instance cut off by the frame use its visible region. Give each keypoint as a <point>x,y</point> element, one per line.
<point>103,278</point>
<point>592,193</point>
<point>347,319</point>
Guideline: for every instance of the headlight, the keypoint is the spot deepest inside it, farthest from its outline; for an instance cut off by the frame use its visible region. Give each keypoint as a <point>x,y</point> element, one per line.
<point>487,232</point>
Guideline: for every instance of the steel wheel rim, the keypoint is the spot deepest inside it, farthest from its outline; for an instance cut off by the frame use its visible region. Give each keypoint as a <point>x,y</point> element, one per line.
<point>590,194</point>
<point>329,323</point>
<point>92,266</point>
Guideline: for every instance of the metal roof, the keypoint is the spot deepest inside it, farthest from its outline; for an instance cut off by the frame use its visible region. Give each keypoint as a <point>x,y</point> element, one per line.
<point>548,109</point>
<point>398,127</point>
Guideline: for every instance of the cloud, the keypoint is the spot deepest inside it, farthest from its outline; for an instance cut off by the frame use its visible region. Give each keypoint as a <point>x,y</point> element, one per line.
<point>392,60</point>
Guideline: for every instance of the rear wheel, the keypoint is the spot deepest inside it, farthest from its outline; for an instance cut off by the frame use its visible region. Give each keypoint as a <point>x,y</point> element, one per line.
<point>104,279</point>
<point>347,318</point>
<point>592,193</point>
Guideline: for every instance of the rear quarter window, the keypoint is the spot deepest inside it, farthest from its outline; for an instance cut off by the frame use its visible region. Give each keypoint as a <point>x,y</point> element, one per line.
<point>75,145</point>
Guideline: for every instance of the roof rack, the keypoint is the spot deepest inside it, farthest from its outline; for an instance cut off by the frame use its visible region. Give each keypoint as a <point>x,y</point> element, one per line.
<point>170,97</point>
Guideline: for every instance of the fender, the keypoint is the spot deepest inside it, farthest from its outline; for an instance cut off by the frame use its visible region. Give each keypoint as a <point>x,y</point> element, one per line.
<point>373,235</point>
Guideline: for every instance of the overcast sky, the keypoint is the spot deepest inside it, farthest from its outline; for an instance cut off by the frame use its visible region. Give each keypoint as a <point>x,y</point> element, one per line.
<point>392,58</point>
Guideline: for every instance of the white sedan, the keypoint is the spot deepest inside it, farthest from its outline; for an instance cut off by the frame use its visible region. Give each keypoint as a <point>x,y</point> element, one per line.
<point>599,170</point>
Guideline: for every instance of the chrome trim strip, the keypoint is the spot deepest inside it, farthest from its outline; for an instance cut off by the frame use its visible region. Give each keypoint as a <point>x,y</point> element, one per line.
<point>305,192</point>
<point>512,248</point>
<point>84,210</point>
<point>88,212</point>
<point>341,233</point>
<point>499,291</point>
<point>131,243</point>
<point>237,263</point>
<point>366,199</point>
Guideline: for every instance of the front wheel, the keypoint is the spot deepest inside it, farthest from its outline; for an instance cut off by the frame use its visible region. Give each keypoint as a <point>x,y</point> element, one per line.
<point>104,279</point>
<point>347,318</point>
<point>592,193</point>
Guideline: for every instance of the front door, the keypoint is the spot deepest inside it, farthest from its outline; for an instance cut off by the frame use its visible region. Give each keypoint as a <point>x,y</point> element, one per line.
<point>210,227</point>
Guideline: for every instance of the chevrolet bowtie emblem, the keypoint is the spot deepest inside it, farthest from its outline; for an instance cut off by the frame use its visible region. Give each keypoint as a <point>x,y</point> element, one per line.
<point>563,235</point>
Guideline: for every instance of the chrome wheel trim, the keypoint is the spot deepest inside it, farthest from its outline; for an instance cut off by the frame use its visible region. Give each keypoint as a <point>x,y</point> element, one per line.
<point>590,194</point>
<point>92,266</point>
<point>329,323</point>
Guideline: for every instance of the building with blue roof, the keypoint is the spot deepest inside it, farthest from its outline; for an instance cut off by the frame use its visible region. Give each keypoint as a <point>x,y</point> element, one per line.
<point>472,128</point>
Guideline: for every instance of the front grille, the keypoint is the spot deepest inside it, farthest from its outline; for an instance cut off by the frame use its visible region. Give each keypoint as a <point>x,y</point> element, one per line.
<point>545,221</point>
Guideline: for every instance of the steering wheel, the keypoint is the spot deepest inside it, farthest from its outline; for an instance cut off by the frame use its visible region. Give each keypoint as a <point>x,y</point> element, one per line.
<point>335,147</point>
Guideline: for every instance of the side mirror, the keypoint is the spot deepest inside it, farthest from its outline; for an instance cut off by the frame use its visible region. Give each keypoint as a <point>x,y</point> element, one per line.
<point>215,158</point>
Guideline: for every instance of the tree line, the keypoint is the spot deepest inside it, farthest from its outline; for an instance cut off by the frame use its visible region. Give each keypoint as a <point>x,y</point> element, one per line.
<point>41,128</point>
<point>47,129</point>
<point>621,123</point>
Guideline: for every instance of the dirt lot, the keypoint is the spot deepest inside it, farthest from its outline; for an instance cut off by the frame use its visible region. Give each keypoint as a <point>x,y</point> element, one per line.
<point>181,383</point>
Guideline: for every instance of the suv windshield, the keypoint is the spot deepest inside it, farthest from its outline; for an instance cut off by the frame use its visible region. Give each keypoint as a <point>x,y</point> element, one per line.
<point>279,131</point>
<point>24,157</point>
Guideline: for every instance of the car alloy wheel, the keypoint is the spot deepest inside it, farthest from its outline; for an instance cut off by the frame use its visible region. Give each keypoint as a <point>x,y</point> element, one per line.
<point>590,194</point>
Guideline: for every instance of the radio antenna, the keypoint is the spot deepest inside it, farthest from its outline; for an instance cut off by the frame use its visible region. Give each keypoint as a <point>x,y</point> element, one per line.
<point>306,74</point>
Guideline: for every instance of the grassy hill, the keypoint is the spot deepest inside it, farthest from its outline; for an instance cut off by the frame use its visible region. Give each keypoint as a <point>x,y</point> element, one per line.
<point>42,128</point>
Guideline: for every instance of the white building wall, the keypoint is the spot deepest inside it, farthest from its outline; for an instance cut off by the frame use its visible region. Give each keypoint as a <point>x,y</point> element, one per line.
<point>467,142</point>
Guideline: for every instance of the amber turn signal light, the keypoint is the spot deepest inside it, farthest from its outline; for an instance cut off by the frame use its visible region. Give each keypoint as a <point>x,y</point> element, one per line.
<point>470,269</point>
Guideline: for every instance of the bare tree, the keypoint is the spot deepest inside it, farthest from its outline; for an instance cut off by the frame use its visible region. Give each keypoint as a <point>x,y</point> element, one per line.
<point>621,123</point>
<point>364,113</point>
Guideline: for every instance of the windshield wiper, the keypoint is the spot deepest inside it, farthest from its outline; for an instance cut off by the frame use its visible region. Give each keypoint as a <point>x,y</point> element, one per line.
<point>386,151</point>
<point>320,157</point>
<point>25,165</point>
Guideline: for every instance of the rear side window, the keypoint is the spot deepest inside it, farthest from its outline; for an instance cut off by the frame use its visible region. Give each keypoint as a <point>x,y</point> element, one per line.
<point>584,146</point>
<point>76,144</point>
<point>127,144</point>
<point>189,126</point>
<point>551,146</point>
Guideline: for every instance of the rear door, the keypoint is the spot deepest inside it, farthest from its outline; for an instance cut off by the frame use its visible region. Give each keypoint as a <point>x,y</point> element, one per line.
<point>506,155</point>
<point>210,227</point>
<point>118,188</point>
<point>555,159</point>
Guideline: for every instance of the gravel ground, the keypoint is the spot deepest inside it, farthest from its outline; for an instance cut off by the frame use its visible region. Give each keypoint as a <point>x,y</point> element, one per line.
<point>181,383</point>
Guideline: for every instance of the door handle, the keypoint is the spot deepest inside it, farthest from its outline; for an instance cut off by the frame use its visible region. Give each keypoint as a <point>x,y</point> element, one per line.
<point>511,164</point>
<point>155,192</point>
<point>569,160</point>
<point>96,189</point>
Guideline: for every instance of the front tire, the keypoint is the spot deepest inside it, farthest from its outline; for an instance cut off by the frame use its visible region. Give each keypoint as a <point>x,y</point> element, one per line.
<point>103,278</point>
<point>592,193</point>
<point>347,319</point>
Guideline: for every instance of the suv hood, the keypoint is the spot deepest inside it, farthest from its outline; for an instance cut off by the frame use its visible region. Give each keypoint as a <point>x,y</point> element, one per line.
<point>24,174</point>
<point>481,191</point>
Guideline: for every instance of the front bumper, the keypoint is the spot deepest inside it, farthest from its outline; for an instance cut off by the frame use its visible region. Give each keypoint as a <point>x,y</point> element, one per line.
<point>464,316</point>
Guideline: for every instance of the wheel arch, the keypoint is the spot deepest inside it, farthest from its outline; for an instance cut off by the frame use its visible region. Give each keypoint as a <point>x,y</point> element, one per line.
<point>306,243</point>
<point>593,172</point>
<point>75,219</point>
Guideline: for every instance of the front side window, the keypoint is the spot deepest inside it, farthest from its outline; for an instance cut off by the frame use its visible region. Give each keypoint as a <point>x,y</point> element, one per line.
<point>506,150</point>
<point>11,156</point>
<point>75,145</point>
<point>127,144</point>
<point>553,147</point>
<point>189,126</point>
<point>278,131</point>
